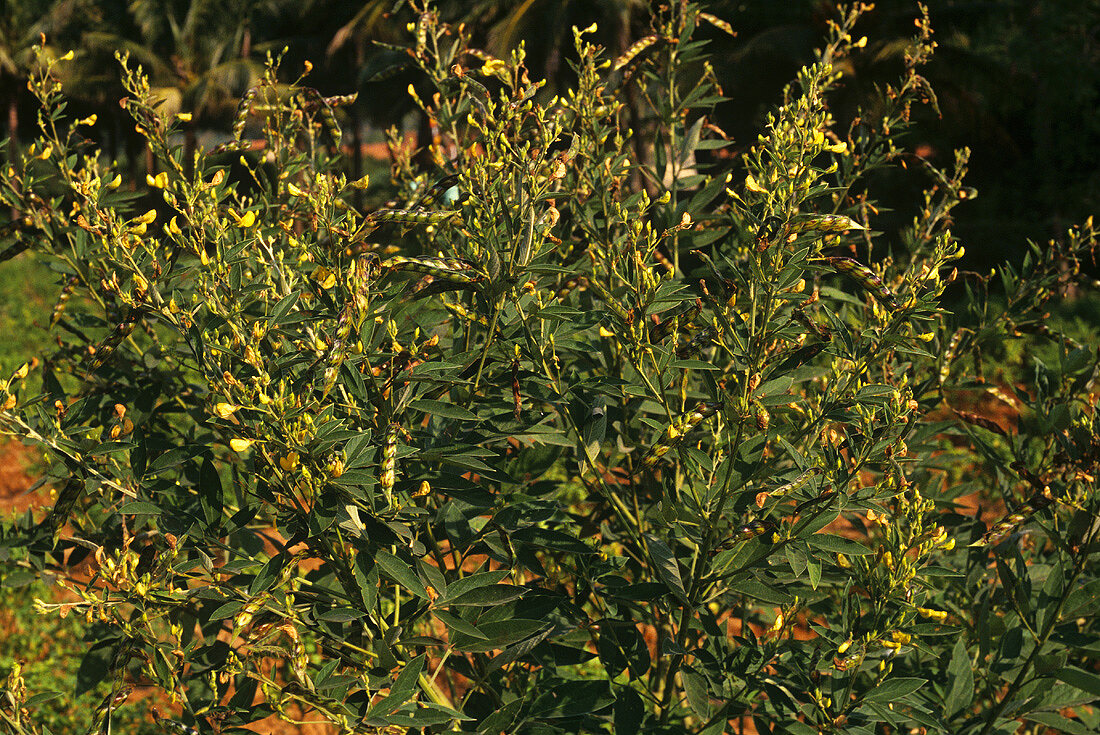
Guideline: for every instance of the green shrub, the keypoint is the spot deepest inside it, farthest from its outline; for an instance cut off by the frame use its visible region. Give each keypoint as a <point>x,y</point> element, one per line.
<point>583,433</point>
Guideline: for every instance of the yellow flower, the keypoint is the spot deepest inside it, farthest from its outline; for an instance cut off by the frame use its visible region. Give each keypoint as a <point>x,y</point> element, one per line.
<point>752,185</point>
<point>183,116</point>
<point>149,216</point>
<point>115,182</point>
<point>294,190</point>
<point>244,221</point>
<point>22,372</point>
<point>174,228</point>
<point>225,410</point>
<point>46,152</point>
<point>496,68</point>
<point>90,120</point>
<point>289,462</point>
<point>240,445</point>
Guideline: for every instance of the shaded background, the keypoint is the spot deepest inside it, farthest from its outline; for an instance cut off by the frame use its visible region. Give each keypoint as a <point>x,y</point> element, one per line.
<point>1017,81</point>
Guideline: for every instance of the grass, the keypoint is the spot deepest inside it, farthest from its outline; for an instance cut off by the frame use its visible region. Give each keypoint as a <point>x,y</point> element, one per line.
<point>28,290</point>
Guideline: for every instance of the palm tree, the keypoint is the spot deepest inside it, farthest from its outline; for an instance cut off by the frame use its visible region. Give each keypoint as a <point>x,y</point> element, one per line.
<point>24,23</point>
<point>196,53</point>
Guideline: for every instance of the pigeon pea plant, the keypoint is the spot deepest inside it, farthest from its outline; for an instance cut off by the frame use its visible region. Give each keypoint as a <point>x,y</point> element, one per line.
<point>575,434</point>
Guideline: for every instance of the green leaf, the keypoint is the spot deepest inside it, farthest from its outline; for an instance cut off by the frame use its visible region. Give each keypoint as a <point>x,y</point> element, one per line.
<point>1083,680</point>
<point>140,507</point>
<point>445,410</point>
<point>340,615</point>
<point>758,590</point>
<point>628,712</point>
<point>459,625</point>
<point>400,572</point>
<point>892,690</point>
<point>666,567</point>
<point>960,681</point>
<point>470,582</point>
<point>697,690</point>
<point>837,544</point>
<point>496,594</point>
<point>401,690</point>
<point>1060,724</point>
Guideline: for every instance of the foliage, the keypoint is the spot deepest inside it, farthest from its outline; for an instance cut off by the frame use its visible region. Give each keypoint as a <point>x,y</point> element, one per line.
<point>575,435</point>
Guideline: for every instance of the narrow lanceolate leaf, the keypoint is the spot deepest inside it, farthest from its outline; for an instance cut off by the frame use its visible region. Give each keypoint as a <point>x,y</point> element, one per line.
<point>866,278</point>
<point>677,430</point>
<point>827,223</point>
<point>455,270</point>
<point>636,48</point>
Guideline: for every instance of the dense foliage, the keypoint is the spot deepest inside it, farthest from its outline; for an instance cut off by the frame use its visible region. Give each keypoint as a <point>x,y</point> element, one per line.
<point>577,434</point>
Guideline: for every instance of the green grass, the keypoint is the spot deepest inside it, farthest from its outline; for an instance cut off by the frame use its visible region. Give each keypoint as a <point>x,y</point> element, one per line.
<point>28,291</point>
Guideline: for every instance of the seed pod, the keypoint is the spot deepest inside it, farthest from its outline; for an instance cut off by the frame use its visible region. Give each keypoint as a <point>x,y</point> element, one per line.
<point>751,530</point>
<point>677,430</point>
<point>328,121</point>
<point>388,474</point>
<point>422,31</point>
<point>463,313</point>
<point>454,270</point>
<point>796,484</point>
<point>949,354</point>
<point>763,419</point>
<point>866,278</point>
<point>696,344</point>
<point>818,330</point>
<point>110,703</point>
<point>982,421</point>
<point>573,283</point>
<point>718,23</point>
<point>62,299</point>
<point>636,48</point>
<point>413,216</point>
<point>678,318</point>
<point>1002,529</point>
<point>517,399</point>
<point>114,339</point>
<point>239,122</point>
<point>827,223</point>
